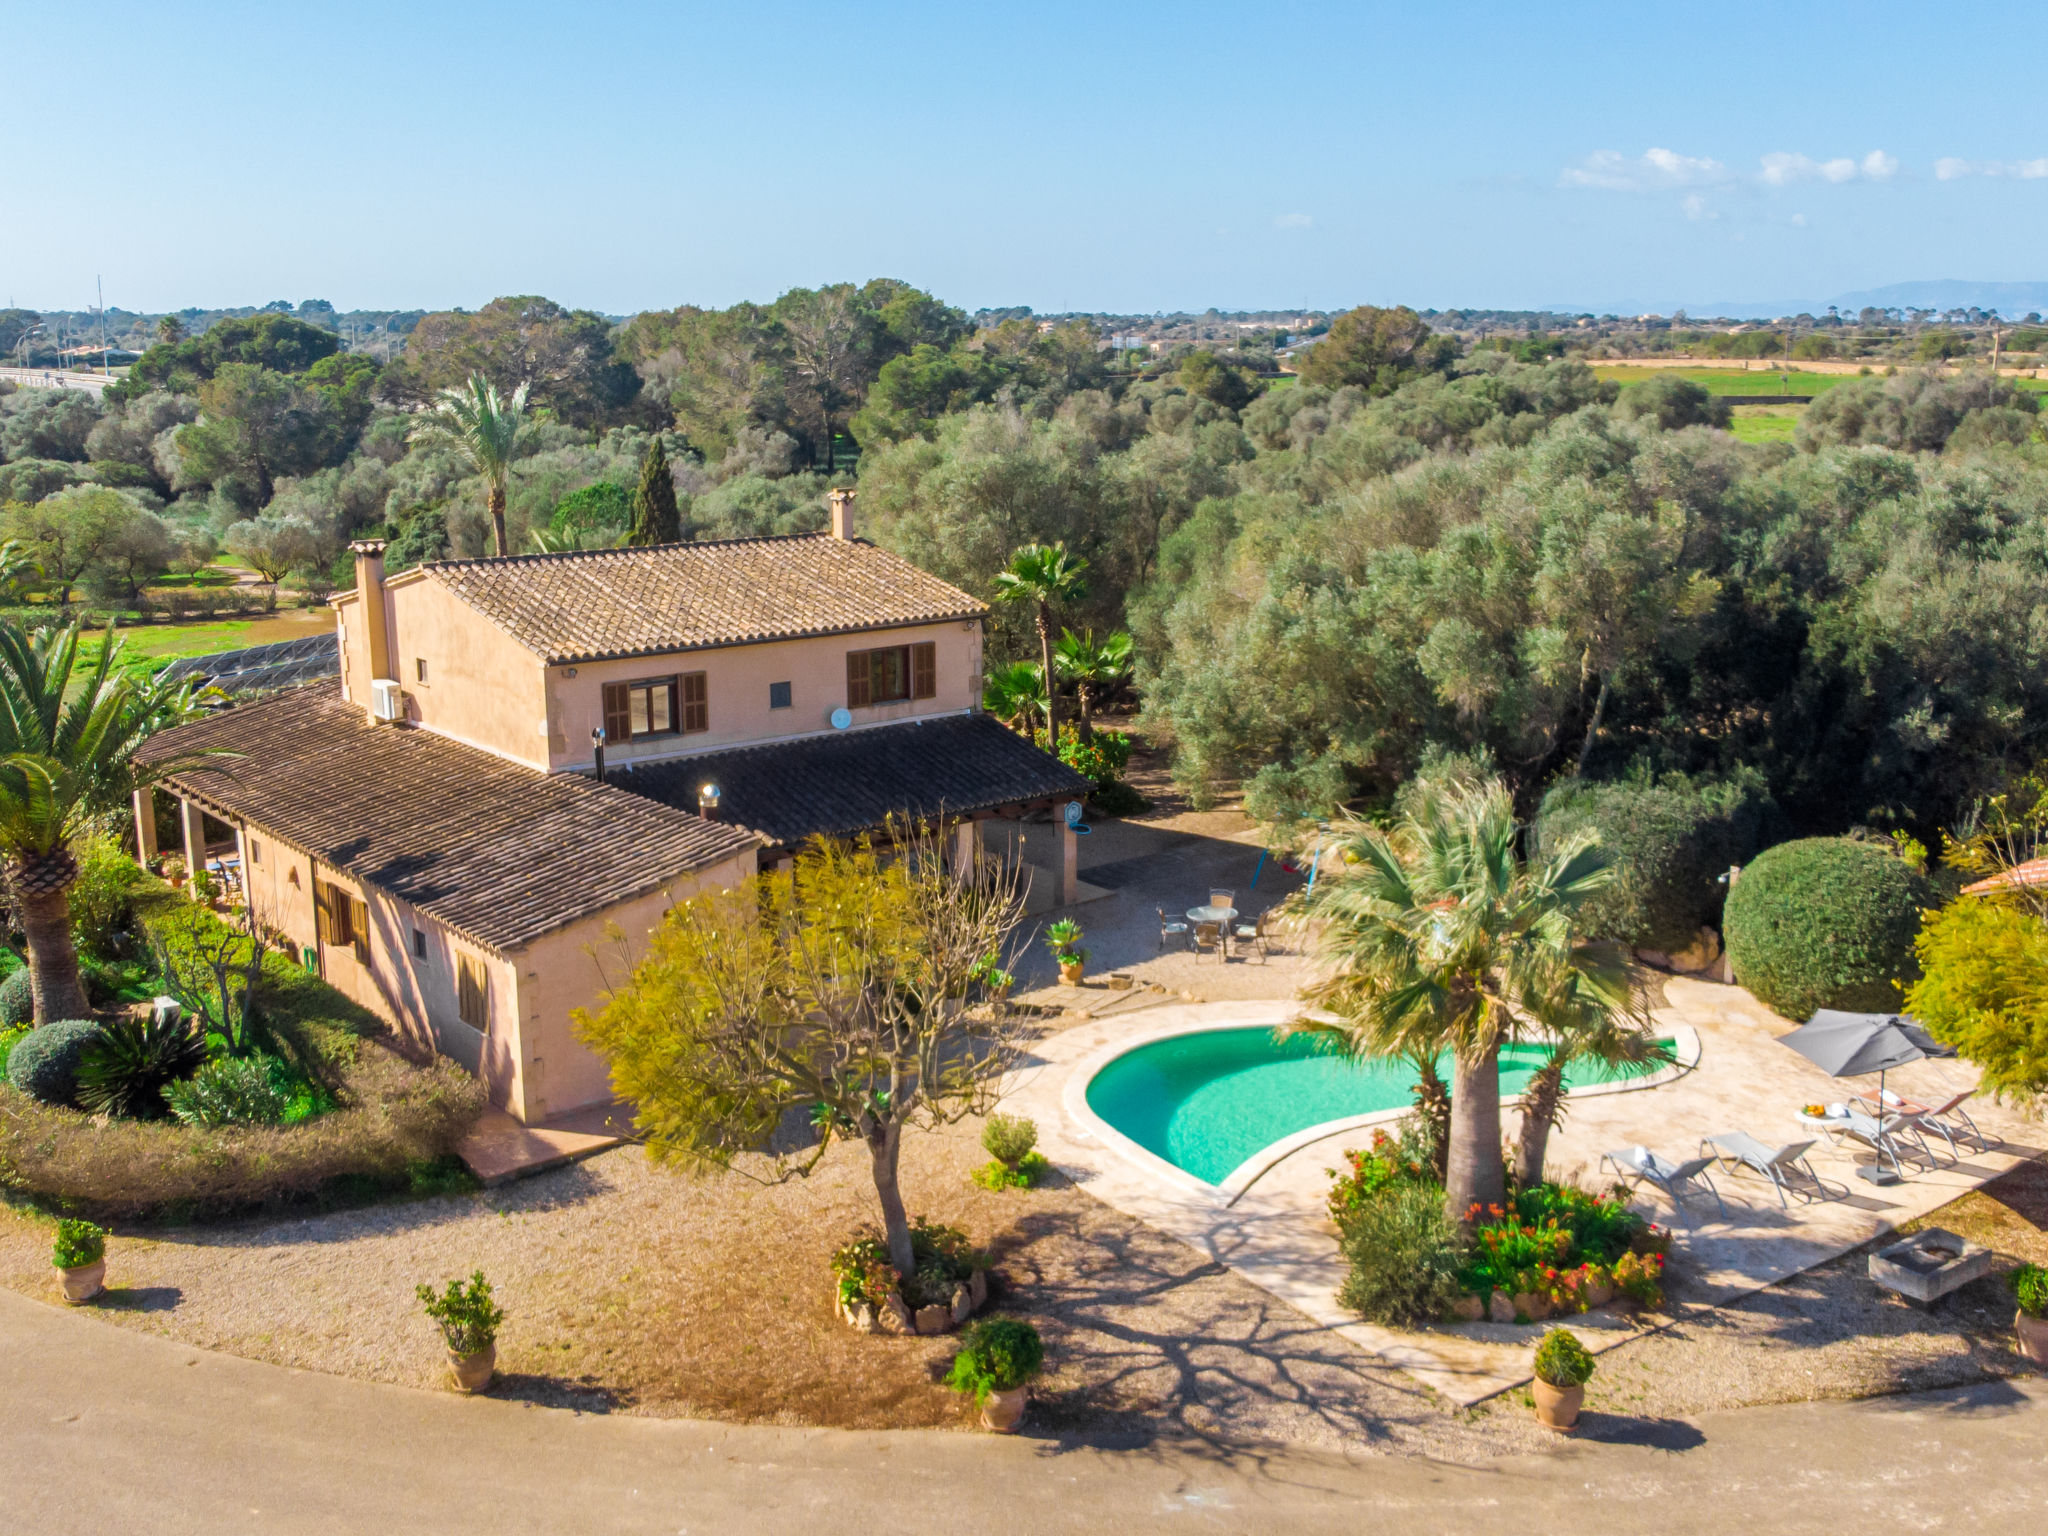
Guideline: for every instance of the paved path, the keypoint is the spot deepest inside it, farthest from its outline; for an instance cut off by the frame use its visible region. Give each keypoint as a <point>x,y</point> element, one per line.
<point>113,1432</point>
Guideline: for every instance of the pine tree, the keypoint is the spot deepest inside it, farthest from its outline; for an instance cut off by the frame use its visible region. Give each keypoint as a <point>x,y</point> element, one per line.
<point>656,517</point>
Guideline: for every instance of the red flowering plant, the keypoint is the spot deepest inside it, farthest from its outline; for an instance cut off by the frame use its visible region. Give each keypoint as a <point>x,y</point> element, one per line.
<point>1640,1277</point>
<point>1507,1252</point>
<point>1387,1161</point>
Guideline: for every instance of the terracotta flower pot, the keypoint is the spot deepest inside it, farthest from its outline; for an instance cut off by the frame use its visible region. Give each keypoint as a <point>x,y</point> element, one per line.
<point>2033,1336</point>
<point>1003,1411</point>
<point>473,1372</point>
<point>84,1281</point>
<point>1557,1407</point>
<point>1070,975</point>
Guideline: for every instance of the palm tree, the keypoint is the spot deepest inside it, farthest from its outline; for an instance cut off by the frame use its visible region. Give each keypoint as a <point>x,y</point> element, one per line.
<point>1093,666</point>
<point>1582,1029</point>
<point>68,739</point>
<point>1441,938</point>
<point>1042,575</point>
<point>1015,694</point>
<point>483,429</point>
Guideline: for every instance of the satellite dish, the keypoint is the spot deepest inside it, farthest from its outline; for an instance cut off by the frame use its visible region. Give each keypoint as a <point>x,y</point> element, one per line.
<point>841,719</point>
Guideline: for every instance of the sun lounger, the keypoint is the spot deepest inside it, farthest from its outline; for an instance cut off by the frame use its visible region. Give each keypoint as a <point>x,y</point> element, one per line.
<point>1642,1166</point>
<point>1948,1120</point>
<point>1786,1167</point>
<point>1887,1137</point>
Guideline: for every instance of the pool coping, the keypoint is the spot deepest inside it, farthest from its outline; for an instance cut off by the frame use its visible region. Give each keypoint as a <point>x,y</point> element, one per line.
<point>1684,1039</point>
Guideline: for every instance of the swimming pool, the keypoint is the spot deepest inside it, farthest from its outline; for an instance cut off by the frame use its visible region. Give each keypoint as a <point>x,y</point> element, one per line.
<point>1209,1100</point>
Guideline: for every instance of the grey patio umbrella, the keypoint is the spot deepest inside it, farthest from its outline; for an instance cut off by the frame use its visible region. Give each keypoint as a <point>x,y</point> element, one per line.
<point>1853,1044</point>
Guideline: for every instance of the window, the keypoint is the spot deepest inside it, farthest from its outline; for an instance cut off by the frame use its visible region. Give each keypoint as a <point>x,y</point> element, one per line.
<point>778,695</point>
<point>255,851</point>
<point>472,992</point>
<point>342,919</point>
<point>890,674</point>
<point>419,944</point>
<point>420,667</point>
<point>696,703</point>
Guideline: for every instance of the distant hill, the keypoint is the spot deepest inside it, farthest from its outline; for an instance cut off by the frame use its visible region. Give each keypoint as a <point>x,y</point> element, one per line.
<point>2011,300</point>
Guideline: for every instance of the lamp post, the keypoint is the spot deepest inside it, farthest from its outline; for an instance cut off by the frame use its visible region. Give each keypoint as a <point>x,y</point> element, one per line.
<point>597,750</point>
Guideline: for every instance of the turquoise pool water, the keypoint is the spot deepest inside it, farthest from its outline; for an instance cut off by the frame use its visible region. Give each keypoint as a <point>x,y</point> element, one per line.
<point>1207,1101</point>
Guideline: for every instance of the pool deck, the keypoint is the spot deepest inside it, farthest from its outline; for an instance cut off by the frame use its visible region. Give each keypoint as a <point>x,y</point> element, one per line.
<point>1275,1232</point>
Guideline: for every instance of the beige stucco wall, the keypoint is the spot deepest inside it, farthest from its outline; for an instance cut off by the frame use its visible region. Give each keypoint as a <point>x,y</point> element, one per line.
<point>736,683</point>
<point>482,687</point>
<point>528,1057</point>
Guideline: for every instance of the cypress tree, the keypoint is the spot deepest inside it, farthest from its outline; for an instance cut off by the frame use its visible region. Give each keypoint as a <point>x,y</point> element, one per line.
<point>656,517</point>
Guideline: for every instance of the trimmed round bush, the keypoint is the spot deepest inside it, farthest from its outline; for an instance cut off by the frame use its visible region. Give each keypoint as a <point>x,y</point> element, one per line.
<point>44,1062</point>
<point>17,999</point>
<point>1826,922</point>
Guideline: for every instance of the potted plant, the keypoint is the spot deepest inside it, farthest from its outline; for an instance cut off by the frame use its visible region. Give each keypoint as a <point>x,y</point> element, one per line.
<point>469,1321</point>
<point>2030,1288</point>
<point>1562,1370</point>
<point>81,1259</point>
<point>1063,938</point>
<point>1010,1140</point>
<point>997,1360</point>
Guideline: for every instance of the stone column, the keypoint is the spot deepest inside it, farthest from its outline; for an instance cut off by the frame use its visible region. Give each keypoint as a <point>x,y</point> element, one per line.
<point>966,848</point>
<point>193,820</point>
<point>145,824</point>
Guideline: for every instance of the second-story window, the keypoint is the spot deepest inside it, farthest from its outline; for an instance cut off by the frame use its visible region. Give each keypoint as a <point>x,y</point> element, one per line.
<point>656,706</point>
<point>891,673</point>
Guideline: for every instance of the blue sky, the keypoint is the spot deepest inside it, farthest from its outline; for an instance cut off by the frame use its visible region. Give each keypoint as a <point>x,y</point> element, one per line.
<point>1105,156</point>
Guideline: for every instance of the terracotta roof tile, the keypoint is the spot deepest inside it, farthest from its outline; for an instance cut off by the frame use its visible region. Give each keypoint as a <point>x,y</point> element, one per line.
<point>598,603</point>
<point>852,780</point>
<point>497,851</point>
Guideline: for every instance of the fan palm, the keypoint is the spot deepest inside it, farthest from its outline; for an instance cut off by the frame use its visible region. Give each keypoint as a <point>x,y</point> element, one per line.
<point>1015,694</point>
<point>69,734</point>
<point>1093,667</point>
<point>1583,1026</point>
<point>483,429</point>
<point>1042,575</point>
<point>1440,939</point>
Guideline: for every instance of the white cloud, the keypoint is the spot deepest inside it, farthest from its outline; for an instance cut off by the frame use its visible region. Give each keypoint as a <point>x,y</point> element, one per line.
<point>1879,166</point>
<point>1782,170</point>
<point>1294,221</point>
<point>1609,170</point>
<point>1951,169</point>
<point>1696,207</point>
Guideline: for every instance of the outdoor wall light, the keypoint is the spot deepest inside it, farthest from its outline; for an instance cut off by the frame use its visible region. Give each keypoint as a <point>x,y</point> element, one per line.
<point>707,800</point>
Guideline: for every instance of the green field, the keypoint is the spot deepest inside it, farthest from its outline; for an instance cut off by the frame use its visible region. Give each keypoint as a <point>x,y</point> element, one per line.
<point>150,647</point>
<point>1731,381</point>
<point>1765,423</point>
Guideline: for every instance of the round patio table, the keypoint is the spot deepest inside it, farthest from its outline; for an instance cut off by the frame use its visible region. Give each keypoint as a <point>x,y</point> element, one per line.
<point>1221,915</point>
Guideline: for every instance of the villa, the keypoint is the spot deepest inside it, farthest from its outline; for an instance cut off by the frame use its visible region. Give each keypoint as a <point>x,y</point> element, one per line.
<point>528,760</point>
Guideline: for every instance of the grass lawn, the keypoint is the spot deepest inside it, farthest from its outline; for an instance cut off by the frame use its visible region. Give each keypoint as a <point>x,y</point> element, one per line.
<point>152,647</point>
<point>1765,423</point>
<point>1730,381</point>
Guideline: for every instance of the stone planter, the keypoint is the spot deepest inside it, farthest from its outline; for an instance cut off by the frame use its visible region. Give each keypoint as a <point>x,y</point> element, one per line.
<point>84,1281</point>
<point>895,1316</point>
<point>1557,1407</point>
<point>1929,1265</point>
<point>1003,1411</point>
<point>1598,1296</point>
<point>473,1372</point>
<point>1070,975</point>
<point>2032,1333</point>
<point>1469,1309</point>
<point>1532,1306</point>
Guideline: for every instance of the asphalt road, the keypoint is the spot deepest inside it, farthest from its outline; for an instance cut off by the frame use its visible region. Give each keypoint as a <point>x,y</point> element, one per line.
<point>110,1431</point>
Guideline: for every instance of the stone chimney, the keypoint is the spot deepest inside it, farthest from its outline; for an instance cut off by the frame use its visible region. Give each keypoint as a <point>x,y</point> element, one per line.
<point>369,555</point>
<point>842,512</point>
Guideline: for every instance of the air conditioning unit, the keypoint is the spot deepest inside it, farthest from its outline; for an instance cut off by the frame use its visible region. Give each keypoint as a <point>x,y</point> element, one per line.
<point>387,700</point>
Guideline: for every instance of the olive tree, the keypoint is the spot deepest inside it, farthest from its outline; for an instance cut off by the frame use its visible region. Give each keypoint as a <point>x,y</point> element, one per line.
<point>837,987</point>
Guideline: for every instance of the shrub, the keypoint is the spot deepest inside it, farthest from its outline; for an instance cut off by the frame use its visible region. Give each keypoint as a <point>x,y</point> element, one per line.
<point>104,896</point>
<point>1403,1256</point>
<point>469,1318</point>
<point>129,1062</point>
<point>78,1243</point>
<point>2030,1289</point>
<point>1640,1277</point>
<point>9,1038</point>
<point>231,1090</point>
<point>1562,1361</point>
<point>44,1065</point>
<point>1983,989</point>
<point>1008,1138</point>
<point>17,999</point>
<point>998,1354</point>
<point>865,1275</point>
<point>1673,839</point>
<point>1026,1173</point>
<point>1117,799</point>
<point>1826,923</point>
<point>1390,1159</point>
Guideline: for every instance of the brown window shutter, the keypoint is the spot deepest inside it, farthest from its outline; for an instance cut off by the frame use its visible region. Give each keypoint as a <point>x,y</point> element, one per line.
<point>359,928</point>
<point>618,712</point>
<point>470,991</point>
<point>323,911</point>
<point>856,679</point>
<point>924,671</point>
<point>696,702</point>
